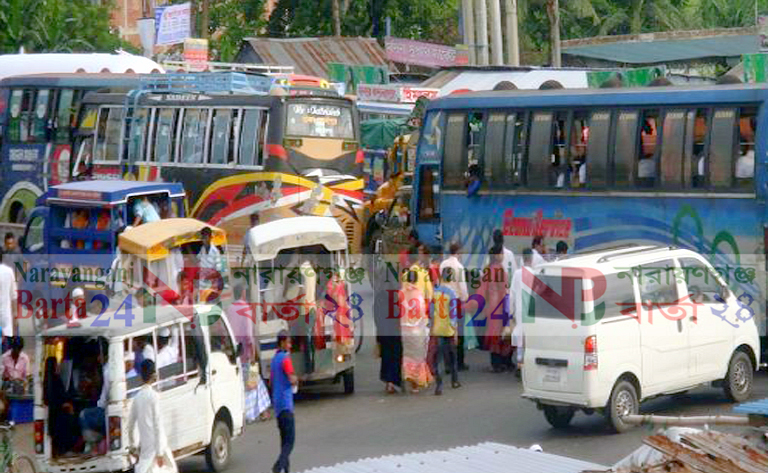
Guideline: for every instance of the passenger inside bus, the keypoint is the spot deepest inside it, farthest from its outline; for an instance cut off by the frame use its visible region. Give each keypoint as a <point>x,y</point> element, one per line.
<point>144,211</point>
<point>646,166</point>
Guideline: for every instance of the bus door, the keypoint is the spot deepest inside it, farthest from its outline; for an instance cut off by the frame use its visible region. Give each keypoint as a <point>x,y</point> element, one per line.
<point>426,212</point>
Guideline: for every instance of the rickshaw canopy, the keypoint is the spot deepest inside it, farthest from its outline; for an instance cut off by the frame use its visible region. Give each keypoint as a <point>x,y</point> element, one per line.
<point>265,241</point>
<point>153,241</point>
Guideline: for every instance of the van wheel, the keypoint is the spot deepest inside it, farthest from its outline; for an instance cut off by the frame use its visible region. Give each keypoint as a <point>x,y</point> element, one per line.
<point>559,417</point>
<point>349,381</point>
<point>623,402</point>
<point>738,381</point>
<point>218,453</point>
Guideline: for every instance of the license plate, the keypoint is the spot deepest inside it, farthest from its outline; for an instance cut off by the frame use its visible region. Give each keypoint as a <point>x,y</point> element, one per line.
<point>552,375</point>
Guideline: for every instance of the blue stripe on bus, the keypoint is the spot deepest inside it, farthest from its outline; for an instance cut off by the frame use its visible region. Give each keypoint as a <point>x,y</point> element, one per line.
<point>269,345</point>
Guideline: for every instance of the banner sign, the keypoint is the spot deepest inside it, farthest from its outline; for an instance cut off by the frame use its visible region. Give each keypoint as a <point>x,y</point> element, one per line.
<point>406,51</point>
<point>196,53</point>
<point>394,93</point>
<point>351,76</point>
<point>174,24</point>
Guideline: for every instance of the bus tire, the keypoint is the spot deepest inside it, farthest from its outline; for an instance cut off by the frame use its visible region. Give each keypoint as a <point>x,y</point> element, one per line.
<point>219,452</point>
<point>739,379</point>
<point>348,378</point>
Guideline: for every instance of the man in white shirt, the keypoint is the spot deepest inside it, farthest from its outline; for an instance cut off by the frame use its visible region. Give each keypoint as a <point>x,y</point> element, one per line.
<point>516,293</point>
<point>538,249</point>
<point>168,347</point>
<point>458,284</point>
<point>510,265</point>
<point>7,296</point>
<point>745,165</point>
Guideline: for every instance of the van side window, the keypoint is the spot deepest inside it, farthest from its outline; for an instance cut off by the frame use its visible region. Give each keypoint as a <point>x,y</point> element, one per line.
<point>170,358</point>
<point>191,351</point>
<point>619,295</point>
<point>657,282</point>
<point>703,286</point>
<point>220,338</point>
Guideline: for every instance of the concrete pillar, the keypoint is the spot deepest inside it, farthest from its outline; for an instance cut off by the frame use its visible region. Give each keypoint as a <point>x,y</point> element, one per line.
<point>481,32</point>
<point>497,52</point>
<point>468,25</point>
<point>513,43</point>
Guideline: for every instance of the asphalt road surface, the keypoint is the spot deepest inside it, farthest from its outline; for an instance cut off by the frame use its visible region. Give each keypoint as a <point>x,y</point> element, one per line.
<point>333,428</point>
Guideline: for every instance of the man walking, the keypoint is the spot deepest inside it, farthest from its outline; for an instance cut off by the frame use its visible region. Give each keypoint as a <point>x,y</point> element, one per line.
<point>284,382</point>
<point>7,296</point>
<point>508,257</point>
<point>458,284</point>
<point>444,334</point>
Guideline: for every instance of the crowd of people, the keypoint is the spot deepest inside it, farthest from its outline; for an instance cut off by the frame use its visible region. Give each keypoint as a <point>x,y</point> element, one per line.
<point>426,316</point>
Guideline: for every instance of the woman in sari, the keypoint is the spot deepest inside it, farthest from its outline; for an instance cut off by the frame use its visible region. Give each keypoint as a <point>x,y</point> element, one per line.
<point>493,290</point>
<point>387,320</point>
<point>414,320</point>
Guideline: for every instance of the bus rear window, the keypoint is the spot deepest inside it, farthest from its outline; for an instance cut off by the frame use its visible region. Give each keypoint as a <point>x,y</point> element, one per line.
<point>319,121</point>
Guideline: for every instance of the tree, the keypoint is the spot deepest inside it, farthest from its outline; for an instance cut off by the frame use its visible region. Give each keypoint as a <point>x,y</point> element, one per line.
<point>56,26</point>
<point>230,22</point>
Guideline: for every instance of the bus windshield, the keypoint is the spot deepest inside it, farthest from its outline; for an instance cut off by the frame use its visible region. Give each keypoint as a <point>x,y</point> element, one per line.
<point>319,120</point>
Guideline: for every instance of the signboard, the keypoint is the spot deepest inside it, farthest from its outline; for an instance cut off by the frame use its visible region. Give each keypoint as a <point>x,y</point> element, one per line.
<point>394,93</point>
<point>351,76</point>
<point>173,24</point>
<point>406,51</point>
<point>196,53</point>
<point>762,32</point>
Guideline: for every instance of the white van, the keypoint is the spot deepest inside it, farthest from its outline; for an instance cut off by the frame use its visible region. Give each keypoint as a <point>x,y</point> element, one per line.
<point>646,321</point>
<point>200,385</point>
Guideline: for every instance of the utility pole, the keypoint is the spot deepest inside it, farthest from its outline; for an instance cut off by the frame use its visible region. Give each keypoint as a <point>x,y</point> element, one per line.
<point>204,18</point>
<point>553,11</point>
<point>496,49</point>
<point>513,45</point>
<point>481,32</point>
<point>469,29</point>
<point>336,17</point>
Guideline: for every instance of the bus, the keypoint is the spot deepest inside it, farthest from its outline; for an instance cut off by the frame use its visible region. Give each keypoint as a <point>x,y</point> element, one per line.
<point>37,113</point>
<point>268,151</point>
<point>600,168</point>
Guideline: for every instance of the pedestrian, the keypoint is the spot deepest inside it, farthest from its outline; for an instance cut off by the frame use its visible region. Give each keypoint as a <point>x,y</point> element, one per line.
<point>517,293</point>
<point>387,320</point>
<point>12,252</point>
<point>145,412</point>
<point>494,292</point>
<point>284,385</point>
<point>93,420</point>
<point>539,249</point>
<point>434,264</point>
<point>15,367</point>
<point>508,257</point>
<point>7,297</point>
<point>404,255</point>
<point>414,323</point>
<point>444,318</point>
<point>210,267</point>
<point>458,283</point>
<point>561,249</point>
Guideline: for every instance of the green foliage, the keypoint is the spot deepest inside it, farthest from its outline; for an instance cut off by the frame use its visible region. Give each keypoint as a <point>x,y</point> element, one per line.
<point>56,26</point>
<point>231,21</point>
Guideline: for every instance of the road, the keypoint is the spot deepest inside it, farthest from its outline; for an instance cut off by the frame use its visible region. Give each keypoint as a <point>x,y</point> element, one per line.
<point>332,427</point>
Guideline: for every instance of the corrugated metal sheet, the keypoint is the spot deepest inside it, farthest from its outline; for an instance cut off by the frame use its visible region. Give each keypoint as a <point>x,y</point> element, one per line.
<point>485,458</point>
<point>755,407</point>
<point>669,50</point>
<point>310,55</point>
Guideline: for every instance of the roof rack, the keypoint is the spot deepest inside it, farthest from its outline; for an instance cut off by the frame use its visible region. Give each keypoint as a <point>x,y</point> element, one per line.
<point>228,67</point>
<point>638,249</point>
<point>207,83</point>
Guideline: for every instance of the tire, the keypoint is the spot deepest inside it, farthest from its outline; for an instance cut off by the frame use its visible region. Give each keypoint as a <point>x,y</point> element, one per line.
<point>739,379</point>
<point>348,379</point>
<point>359,330</point>
<point>219,452</point>
<point>559,417</point>
<point>23,464</point>
<point>623,401</point>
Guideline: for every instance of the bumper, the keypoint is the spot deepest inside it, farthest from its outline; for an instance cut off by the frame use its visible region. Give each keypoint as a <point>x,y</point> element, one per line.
<point>564,399</point>
<point>108,463</point>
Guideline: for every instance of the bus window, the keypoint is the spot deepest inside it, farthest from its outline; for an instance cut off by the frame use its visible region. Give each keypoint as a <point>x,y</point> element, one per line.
<point>136,146</point>
<point>514,146</point>
<point>570,169</point>
<point>698,167</point>
<point>495,174</point>
<point>39,119</point>
<point>625,148</point>
<point>431,146</point>
<point>251,135</point>
<point>108,141</point>
<point>540,150</point>
<point>220,139</point>
<point>475,162</point>
<point>722,147</point>
<point>429,194</point>
<point>64,115</point>
<point>21,115</point>
<point>673,150</point>
<point>649,137</point>
<point>193,136</point>
<point>164,131</point>
<point>596,139</point>
<point>744,171</point>
<point>455,158</point>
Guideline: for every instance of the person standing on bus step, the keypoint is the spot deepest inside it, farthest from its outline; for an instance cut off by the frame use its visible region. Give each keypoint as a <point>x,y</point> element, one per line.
<point>284,384</point>
<point>7,297</point>
<point>458,284</point>
<point>144,211</point>
<point>444,317</point>
<point>93,421</point>
<point>145,412</point>
<point>538,248</point>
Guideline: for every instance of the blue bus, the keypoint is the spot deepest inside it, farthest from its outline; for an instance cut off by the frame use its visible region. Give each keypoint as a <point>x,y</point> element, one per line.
<point>71,238</point>
<point>38,115</point>
<point>601,168</point>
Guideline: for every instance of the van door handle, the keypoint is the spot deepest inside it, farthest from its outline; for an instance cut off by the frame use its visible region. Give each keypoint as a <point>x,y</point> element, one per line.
<point>694,319</point>
<point>679,325</point>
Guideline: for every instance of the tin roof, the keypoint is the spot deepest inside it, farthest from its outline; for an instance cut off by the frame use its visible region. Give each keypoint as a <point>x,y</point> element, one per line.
<point>311,55</point>
<point>486,457</point>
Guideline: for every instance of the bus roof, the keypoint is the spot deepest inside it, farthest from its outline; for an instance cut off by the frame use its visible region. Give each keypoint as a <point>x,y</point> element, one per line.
<point>203,99</point>
<point>645,96</point>
<point>23,64</point>
<point>73,80</point>
<point>152,241</point>
<point>265,241</point>
<point>109,192</point>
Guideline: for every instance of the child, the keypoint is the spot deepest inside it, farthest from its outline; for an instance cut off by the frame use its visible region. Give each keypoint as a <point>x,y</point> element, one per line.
<point>444,331</point>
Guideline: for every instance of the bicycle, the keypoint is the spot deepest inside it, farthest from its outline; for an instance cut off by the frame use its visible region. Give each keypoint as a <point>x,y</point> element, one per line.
<point>11,461</point>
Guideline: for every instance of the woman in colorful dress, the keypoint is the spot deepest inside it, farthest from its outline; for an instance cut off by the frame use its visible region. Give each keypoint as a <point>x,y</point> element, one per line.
<point>414,321</point>
<point>493,290</point>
